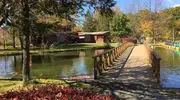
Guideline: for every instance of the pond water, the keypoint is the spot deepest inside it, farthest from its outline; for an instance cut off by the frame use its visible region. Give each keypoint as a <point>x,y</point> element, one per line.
<point>51,65</point>
<point>170,67</point>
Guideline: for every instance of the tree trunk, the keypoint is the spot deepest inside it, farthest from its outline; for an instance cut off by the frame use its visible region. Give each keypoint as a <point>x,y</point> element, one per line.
<point>42,42</point>
<point>21,41</point>
<point>14,41</point>
<point>26,55</point>
<point>15,63</point>
<point>26,34</point>
<point>173,36</point>
<point>4,44</point>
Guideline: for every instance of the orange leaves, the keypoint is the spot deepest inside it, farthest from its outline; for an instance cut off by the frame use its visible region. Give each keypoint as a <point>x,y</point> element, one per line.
<point>146,27</point>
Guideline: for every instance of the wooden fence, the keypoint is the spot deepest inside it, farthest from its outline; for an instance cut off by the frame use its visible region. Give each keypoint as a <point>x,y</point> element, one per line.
<point>105,60</point>
<point>154,60</point>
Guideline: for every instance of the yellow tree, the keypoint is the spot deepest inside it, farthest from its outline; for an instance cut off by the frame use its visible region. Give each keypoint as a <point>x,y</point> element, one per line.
<point>146,27</point>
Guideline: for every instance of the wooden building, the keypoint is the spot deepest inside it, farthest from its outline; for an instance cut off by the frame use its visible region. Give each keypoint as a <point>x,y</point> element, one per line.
<point>63,37</point>
<point>58,37</point>
<point>94,37</point>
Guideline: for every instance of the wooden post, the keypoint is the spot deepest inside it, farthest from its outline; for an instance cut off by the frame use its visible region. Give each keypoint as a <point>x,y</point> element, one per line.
<point>101,64</point>
<point>108,59</point>
<point>111,57</point>
<point>158,71</point>
<point>115,52</point>
<point>105,61</point>
<point>153,64</point>
<point>119,51</point>
<point>95,68</point>
<point>114,58</point>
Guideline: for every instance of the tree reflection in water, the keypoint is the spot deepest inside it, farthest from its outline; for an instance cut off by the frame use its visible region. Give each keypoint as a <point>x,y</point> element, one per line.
<point>52,65</point>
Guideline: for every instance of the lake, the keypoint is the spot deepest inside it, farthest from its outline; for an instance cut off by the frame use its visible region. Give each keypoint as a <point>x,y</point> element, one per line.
<point>51,65</point>
<point>170,67</point>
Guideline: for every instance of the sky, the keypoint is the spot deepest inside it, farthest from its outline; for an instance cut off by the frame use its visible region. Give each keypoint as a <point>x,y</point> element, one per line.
<point>124,4</point>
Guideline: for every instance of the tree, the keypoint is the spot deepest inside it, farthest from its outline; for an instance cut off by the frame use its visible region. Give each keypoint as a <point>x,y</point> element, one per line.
<point>77,29</point>
<point>102,21</point>
<point>12,31</point>
<point>119,25</point>
<point>24,11</point>
<point>174,17</point>
<point>173,20</point>
<point>89,25</point>
<point>146,19</point>
<point>4,36</point>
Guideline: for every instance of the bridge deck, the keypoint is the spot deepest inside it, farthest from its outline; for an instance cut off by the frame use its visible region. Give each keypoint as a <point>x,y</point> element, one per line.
<point>135,79</point>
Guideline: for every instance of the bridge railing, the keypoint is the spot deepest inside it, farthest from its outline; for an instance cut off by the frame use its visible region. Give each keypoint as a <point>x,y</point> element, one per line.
<point>154,60</point>
<point>105,60</point>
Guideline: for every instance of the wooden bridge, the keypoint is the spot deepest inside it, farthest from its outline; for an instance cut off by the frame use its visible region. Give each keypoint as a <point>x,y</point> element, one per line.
<point>104,62</point>
<point>130,72</point>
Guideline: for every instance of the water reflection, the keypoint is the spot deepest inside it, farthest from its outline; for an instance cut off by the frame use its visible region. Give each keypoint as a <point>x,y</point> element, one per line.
<point>51,65</point>
<point>170,67</point>
<point>6,66</point>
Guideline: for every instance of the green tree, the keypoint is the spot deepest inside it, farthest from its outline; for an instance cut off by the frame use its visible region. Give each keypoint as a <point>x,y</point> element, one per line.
<point>174,14</point>
<point>12,31</point>
<point>24,11</point>
<point>102,21</point>
<point>119,25</point>
<point>89,25</point>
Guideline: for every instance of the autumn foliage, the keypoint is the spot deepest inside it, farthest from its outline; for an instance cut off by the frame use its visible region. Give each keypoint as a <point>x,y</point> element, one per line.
<point>54,92</point>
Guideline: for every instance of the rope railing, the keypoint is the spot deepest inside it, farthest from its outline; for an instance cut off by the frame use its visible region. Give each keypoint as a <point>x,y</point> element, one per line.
<point>106,59</point>
<point>154,59</point>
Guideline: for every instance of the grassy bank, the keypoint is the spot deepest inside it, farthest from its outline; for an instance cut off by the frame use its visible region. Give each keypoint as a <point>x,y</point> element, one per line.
<point>61,48</point>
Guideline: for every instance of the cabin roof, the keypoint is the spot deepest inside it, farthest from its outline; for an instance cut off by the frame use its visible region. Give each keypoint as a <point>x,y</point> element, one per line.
<point>94,33</point>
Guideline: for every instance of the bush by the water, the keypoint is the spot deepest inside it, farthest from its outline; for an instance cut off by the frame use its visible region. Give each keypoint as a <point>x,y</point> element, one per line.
<point>54,92</point>
<point>135,40</point>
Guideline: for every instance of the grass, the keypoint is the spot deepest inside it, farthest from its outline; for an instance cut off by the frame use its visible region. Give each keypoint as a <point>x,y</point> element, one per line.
<point>84,45</point>
<point>171,92</point>
<point>61,48</point>
<point>7,85</point>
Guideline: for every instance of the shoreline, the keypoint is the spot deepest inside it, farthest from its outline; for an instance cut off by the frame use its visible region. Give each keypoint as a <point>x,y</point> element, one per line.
<point>9,53</point>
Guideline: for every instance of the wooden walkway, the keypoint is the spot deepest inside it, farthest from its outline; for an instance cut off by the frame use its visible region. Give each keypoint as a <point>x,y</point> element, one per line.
<point>133,80</point>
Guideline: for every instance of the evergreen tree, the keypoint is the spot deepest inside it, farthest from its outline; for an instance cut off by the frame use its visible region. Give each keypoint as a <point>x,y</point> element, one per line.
<point>89,25</point>
<point>102,21</point>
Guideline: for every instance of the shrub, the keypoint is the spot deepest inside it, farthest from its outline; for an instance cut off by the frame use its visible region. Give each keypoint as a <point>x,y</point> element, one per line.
<point>135,40</point>
<point>54,92</point>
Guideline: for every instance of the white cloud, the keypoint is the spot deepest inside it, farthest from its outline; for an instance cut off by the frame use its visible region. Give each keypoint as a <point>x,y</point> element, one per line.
<point>176,5</point>
<point>171,1</point>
